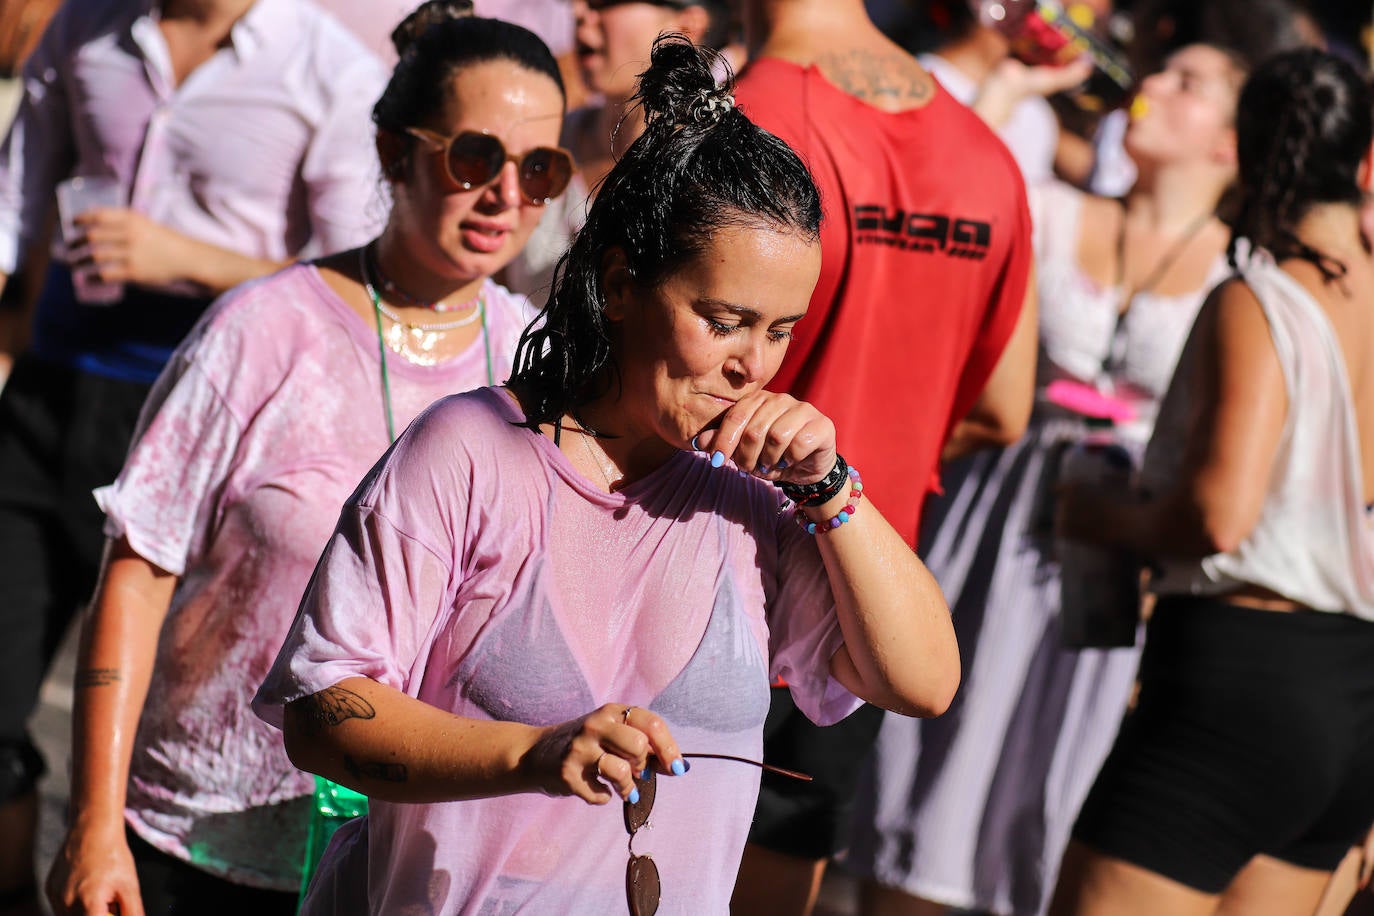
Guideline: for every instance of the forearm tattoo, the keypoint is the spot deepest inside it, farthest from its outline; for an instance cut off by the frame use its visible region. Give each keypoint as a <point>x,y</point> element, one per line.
<point>98,677</point>
<point>333,706</point>
<point>383,772</point>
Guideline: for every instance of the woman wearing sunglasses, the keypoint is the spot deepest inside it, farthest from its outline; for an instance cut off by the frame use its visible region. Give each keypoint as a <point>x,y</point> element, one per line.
<point>546,589</point>
<point>263,423</point>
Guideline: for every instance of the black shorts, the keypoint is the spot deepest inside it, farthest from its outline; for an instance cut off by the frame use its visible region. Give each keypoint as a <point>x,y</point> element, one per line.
<point>810,819</point>
<point>1254,734</point>
<point>170,886</point>
<point>62,433</point>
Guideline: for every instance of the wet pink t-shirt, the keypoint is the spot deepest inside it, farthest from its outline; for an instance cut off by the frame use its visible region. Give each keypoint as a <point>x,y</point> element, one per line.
<point>262,424</point>
<point>477,570</point>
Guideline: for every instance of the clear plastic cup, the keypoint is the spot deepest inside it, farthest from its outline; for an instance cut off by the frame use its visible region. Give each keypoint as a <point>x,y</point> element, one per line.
<point>74,197</point>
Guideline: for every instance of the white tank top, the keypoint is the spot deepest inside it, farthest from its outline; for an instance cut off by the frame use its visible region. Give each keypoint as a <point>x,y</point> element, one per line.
<point>1314,542</point>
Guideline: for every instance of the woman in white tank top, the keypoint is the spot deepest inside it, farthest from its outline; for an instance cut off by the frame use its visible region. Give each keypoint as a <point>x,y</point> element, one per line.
<point>1245,772</point>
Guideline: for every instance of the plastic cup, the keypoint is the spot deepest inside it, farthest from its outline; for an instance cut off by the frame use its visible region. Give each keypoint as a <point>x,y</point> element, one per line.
<point>74,197</point>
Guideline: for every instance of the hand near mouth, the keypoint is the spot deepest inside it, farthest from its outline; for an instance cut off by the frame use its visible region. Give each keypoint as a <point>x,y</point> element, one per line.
<point>773,436</point>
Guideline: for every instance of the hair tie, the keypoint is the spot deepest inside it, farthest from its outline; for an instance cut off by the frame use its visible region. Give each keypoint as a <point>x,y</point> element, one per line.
<point>711,105</point>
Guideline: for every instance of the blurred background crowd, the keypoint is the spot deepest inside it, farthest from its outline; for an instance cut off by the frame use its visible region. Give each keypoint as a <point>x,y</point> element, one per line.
<point>1068,88</point>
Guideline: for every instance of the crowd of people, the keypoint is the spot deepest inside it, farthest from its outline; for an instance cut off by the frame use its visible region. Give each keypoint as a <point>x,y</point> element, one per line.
<point>504,412</point>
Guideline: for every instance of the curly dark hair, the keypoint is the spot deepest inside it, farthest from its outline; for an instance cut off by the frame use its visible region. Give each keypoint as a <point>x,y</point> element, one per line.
<point>699,166</point>
<point>1304,124</point>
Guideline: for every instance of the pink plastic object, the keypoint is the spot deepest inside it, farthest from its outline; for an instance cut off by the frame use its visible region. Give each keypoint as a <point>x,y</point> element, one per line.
<point>1088,401</point>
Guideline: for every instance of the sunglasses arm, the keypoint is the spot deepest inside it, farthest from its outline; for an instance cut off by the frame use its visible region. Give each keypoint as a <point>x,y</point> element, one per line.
<point>428,137</point>
<point>766,767</point>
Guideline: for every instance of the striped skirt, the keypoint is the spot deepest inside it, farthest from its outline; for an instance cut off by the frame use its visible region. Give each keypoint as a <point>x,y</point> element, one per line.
<point>974,809</point>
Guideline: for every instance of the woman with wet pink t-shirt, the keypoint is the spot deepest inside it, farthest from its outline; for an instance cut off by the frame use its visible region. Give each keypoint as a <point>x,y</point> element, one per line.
<point>265,420</point>
<point>571,590</point>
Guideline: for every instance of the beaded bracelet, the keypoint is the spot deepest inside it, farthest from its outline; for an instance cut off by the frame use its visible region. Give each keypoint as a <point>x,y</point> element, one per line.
<point>856,493</point>
<point>820,492</point>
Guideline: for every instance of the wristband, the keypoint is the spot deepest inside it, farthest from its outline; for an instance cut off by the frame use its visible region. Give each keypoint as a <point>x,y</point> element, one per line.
<point>856,493</point>
<point>823,490</point>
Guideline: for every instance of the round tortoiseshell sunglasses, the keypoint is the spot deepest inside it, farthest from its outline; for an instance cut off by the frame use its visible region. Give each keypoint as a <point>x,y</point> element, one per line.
<point>473,159</point>
<point>643,889</point>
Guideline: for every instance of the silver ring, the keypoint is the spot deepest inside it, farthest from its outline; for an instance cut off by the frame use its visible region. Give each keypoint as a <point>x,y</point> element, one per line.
<point>625,716</point>
<point>597,766</point>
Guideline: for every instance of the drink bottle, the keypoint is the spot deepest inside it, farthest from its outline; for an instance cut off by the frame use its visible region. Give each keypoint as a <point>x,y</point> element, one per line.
<point>1046,32</point>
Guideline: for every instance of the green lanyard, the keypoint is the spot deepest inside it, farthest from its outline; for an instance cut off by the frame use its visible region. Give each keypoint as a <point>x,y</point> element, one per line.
<point>366,276</point>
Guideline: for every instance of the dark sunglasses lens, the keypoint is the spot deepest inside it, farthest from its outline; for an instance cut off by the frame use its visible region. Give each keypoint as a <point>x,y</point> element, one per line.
<point>475,159</point>
<point>545,173</point>
<point>637,814</point>
<point>642,888</point>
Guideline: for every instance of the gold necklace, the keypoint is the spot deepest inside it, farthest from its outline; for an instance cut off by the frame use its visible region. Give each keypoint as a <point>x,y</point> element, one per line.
<point>417,342</point>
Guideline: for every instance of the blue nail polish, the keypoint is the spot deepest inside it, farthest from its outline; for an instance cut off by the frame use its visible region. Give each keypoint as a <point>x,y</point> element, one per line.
<point>645,774</point>
<point>783,465</point>
<point>717,459</point>
<point>762,469</point>
<point>634,797</point>
<point>695,447</point>
<point>679,767</point>
<point>743,473</point>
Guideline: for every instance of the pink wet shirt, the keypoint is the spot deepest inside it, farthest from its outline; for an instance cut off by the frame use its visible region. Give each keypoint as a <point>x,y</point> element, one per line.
<point>477,570</point>
<point>266,146</point>
<point>262,424</point>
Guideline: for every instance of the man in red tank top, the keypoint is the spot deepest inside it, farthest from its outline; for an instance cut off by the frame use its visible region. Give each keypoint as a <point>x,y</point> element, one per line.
<point>920,339</point>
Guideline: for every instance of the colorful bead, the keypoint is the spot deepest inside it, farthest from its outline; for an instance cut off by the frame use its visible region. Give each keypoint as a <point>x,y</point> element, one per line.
<point>844,515</point>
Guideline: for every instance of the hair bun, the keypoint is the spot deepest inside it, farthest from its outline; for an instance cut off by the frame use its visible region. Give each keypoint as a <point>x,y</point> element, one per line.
<point>711,105</point>
<point>679,89</point>
<point>429,13</point>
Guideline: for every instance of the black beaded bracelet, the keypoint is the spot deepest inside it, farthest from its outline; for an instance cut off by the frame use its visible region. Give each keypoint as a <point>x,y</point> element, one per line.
<point>823,490</point>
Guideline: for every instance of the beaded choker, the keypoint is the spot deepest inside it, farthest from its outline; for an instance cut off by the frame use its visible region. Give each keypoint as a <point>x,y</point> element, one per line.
<point>391,289</point>
<point>377,309</point>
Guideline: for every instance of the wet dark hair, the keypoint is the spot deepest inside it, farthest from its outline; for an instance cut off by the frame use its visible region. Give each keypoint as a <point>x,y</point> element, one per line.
<point>437,40</point>
<point>1304,125</point>
<point>700,166</point>
<point>424,16</point>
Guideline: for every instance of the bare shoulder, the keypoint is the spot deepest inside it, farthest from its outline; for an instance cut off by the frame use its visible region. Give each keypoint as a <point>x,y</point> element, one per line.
<point>883,78</point>
<point>1236,324</point>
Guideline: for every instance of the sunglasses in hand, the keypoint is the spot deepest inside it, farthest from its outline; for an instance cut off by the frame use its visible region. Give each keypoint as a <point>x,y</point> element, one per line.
<point>473,160</point>
<point>643,889</point>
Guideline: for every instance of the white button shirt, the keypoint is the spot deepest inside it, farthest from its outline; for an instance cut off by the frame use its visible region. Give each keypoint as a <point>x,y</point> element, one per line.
<point>263,148</point>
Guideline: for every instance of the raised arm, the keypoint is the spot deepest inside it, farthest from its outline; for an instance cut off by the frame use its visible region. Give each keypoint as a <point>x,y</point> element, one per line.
<point>899,647</point>
<point>94,871</point>
<point>1012,82</point>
